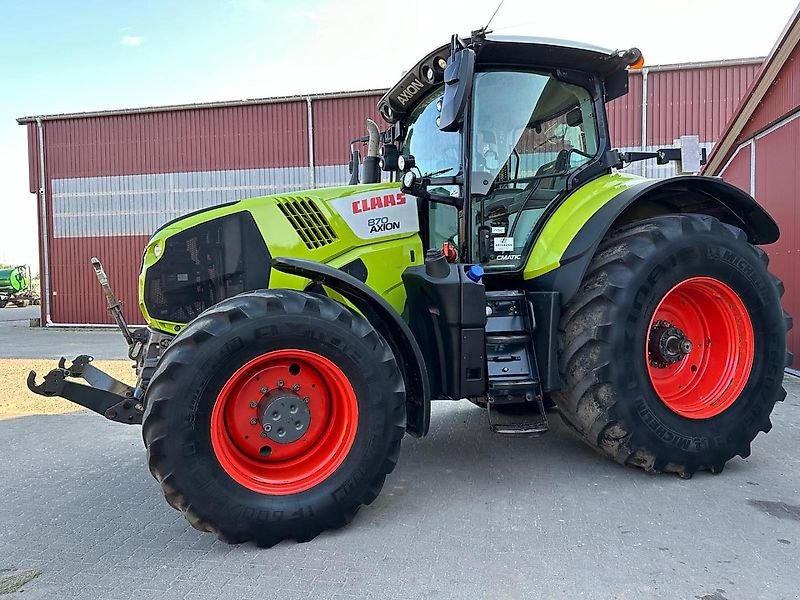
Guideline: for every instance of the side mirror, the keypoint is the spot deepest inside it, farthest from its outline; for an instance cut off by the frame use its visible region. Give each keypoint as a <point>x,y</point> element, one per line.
<point>457,87</point>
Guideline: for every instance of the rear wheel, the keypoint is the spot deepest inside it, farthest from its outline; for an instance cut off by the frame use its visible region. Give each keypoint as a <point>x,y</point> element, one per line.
<point>673,349</point>
<point>263,419</point>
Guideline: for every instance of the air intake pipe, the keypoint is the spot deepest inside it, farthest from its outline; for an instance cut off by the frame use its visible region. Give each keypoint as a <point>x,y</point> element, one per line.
<point>371,170</point>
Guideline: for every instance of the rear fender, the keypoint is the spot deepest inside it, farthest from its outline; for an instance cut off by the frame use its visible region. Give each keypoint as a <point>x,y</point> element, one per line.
<point>638,199</point>
<point>386,322</point>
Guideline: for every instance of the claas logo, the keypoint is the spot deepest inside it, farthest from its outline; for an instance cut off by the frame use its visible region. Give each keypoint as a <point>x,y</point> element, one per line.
<point>368,204</point>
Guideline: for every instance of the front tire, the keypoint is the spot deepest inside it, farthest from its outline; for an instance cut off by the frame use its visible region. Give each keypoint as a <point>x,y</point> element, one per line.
<point>274,415</point>
<point>673,349</point>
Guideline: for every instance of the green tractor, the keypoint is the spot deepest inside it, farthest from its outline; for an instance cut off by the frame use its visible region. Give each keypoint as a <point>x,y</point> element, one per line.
<point>15,287</point>
<point>294,339</point>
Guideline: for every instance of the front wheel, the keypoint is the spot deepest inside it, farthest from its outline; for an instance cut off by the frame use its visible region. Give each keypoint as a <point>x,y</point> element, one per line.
<point>673,349</point>
<point>276,414</point>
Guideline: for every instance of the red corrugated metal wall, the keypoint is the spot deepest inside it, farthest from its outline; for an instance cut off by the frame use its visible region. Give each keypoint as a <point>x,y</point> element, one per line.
<point>695,101</point>
<point>238,137</point>
<point>680,101</point>
<point>625,115</point>
<point>336,122</point>
<point>777,180</point>
<point>781,99</point>
<point>738,171</point>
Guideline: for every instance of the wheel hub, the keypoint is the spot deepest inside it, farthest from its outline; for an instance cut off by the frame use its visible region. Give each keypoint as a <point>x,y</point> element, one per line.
<point>283,416</point>
<point>667,345</point>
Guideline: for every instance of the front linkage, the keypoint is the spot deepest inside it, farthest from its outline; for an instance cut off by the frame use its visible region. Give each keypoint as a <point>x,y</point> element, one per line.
<point>105,395</point>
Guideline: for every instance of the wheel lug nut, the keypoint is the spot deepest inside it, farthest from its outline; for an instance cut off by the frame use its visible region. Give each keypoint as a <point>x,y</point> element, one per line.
<point>295,387</point>
<point>298,425</point>
<point>306,399</point>
<point>253,421</point>
<point>253,404</point>
<point>264,389</point>
<point>276,415</point>
<point>267,427</point>
<point>280,383</point>
<point>263,434</point>
<point>292,409</point>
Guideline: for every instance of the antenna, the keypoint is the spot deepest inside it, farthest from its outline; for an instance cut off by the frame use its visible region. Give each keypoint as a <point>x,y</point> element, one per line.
<point>496,10</point>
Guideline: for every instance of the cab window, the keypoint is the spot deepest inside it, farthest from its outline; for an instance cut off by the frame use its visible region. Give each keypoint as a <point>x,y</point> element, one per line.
<point>530,132</point>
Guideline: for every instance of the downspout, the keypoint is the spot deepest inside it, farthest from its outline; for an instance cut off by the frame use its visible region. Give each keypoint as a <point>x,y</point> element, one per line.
<point>45,276</point>
<point>310,114</point>
<point>644,114</point>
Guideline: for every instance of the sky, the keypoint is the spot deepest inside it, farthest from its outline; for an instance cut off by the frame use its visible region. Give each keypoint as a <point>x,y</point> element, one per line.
<point>58,56</point>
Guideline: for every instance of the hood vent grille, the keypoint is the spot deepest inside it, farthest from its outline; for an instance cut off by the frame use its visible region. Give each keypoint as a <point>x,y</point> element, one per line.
<point>307,220</point>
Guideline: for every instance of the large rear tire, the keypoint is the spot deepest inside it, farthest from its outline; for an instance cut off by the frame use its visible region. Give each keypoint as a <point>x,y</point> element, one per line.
<point>274,415</point>
<point>672,351</point>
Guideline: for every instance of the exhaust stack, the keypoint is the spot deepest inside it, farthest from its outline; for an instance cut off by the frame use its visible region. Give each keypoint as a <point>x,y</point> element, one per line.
<point>371,171</point>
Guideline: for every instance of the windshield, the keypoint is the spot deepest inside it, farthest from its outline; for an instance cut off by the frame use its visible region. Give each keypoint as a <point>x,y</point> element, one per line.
<point>435,151</point>
<point>530,131</point>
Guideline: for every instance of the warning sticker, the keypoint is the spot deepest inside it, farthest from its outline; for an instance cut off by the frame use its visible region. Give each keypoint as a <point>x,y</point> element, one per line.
<point>503,244</point>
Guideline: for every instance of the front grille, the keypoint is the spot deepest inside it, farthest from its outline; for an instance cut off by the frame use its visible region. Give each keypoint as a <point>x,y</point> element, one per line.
<point>307,220</point>
<point>205,264</point>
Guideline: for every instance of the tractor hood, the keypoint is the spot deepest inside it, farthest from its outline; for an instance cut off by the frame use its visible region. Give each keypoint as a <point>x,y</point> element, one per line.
<point>196,261</point>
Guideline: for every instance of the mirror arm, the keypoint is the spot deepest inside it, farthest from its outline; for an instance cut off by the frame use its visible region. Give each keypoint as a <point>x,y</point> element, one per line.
<point>420,190</point>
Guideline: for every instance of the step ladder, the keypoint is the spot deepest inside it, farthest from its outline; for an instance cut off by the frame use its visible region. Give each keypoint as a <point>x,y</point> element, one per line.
<point>512,369</point>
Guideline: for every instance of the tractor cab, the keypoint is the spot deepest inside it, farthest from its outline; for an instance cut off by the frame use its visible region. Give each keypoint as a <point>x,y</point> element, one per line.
<point>500,127</point>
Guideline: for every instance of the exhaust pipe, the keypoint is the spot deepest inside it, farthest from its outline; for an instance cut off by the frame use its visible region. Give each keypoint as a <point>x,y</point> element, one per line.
<point>371,170</point>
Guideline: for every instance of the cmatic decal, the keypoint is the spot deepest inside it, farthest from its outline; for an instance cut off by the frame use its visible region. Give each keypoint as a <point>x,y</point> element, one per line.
<point>379,214</point>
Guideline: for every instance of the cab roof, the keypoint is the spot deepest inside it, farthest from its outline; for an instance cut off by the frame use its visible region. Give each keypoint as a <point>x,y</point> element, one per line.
<point>510,50</point>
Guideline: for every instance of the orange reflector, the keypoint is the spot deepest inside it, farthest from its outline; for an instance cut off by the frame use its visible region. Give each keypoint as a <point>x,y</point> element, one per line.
<point>637,65</point>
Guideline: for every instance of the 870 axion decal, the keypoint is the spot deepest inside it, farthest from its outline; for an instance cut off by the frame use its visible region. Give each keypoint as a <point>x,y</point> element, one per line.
<point>379,213</point>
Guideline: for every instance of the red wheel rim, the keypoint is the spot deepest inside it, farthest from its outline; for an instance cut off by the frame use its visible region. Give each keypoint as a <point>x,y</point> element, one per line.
<point>702,379</point>
<point>320,398</point>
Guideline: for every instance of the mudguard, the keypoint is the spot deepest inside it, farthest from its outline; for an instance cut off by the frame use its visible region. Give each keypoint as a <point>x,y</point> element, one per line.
<point>387,322</point>
<point>569,239</point>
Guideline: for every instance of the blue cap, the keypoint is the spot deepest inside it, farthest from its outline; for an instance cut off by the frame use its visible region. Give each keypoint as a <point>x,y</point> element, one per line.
<point>475,272</point>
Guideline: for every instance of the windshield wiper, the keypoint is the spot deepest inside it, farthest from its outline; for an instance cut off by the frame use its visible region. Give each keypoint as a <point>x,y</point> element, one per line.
<point>435,173</point>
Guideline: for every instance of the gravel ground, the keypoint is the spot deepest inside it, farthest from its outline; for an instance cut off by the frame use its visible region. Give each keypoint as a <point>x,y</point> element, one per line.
<point>16,399</point>
<point>467,514</point>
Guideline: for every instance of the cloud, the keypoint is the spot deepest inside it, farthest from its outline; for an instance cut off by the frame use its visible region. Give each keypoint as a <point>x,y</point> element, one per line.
<point>131,40</point>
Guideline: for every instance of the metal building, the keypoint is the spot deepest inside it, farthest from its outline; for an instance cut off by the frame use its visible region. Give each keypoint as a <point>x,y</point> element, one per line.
<point>106,180</point>
<point>759,153</point>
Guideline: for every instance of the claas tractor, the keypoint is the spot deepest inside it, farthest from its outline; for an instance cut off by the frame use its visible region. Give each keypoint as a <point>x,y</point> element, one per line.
<point>490,249</point>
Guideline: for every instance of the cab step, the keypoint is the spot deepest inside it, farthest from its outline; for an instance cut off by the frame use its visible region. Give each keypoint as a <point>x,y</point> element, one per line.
<point>518,424</point>
<point>512,368</point>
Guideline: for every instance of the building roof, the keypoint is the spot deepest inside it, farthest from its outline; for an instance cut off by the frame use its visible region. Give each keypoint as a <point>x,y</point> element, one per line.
<point>787,42</point>
<point>200,105</point>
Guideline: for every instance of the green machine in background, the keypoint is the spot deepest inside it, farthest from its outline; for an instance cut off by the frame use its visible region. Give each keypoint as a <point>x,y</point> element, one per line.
<point>15,287</point>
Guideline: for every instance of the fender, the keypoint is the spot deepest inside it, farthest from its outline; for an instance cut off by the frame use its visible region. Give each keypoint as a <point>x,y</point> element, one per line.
<point>386,322</point>
<point>618,199</point>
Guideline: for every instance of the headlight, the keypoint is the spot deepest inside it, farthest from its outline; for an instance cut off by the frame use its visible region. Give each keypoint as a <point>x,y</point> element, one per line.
<point>157,249</point>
